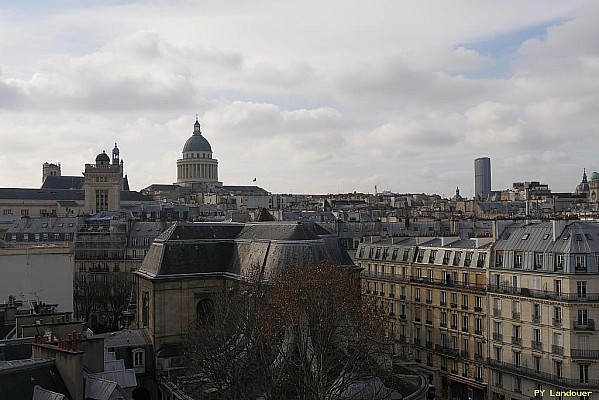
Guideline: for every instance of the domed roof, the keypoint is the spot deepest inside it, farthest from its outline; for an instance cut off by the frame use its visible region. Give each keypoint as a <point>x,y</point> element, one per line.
<point>595,175</point>
<point>102,157</point>
<point>197,142</point>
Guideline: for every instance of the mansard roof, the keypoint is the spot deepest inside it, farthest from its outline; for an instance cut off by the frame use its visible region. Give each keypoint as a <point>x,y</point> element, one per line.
<point>237,248</point>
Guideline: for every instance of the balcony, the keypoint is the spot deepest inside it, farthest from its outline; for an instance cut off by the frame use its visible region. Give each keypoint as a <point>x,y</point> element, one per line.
<point>556,322</point>
<point>429,322</point>
<point>417,341</point>
<point>453,305</point>
<point>443,303</point>
<point>497,337</point>
<point>544,294</point>
<point>497,312</point>
<point>464,306</point>
<point>416,319</point>
<point>429,301</point>
<point>588,325</point>
<point>586,354</point>
<point>516,340</point>
<point>454,327</point>
<point>402,316</point>
<point>465,329</point>
<point>478,332</point>
<point>402,338</point>
<point>478,309</point>
<point>536,345</point>
<point>402,296</point>
<point>417,299</point>
<point>429,345</point>
<point>536,319</point>
<point>464,353</point>
<point>516,315</point>
<point>391,295</point>
<point>543,377</point>
<point>446,350</point>
<point>443,324</point>
<point>557,350</point>
<point>443,367</point>
<point>478,356</point>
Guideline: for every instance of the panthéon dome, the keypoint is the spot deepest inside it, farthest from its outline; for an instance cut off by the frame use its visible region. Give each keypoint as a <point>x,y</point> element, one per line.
<point>197,142</point>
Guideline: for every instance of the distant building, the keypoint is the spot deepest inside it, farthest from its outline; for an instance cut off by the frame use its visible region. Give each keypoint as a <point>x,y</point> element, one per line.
<point>482,178</point>
<point>197,167</point>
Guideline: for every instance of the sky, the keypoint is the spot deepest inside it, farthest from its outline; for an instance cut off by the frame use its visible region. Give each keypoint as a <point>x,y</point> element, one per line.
<point>317,97</point>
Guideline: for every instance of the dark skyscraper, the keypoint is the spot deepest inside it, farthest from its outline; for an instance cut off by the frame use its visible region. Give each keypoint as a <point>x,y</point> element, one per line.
<point>482,178</point>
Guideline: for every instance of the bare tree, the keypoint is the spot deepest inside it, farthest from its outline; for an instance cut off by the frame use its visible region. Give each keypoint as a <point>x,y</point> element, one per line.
<point>307,334</point>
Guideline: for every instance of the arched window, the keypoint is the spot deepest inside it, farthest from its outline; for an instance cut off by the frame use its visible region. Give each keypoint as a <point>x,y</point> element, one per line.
<point>204,311</point>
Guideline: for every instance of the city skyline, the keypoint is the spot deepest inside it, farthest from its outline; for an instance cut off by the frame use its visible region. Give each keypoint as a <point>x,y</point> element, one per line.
<point>398,95</point>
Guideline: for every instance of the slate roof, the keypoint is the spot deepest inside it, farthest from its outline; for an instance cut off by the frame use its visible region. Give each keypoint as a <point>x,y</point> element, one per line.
<point>124,378</point>
<point>40,393</point>
<point>19,378</point>
<point>63,182</point>
<point>62,194</point>
<point>252,190</point>
<point>125,338</point>
<point>236,248</point>
<point>15,349</point>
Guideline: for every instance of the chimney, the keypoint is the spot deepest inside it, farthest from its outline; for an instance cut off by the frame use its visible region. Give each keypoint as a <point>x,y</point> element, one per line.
<point>558,226</point>
<point>68,362</point>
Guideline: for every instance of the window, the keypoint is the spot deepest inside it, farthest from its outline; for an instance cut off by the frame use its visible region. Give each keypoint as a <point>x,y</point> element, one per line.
<point>481,260</point>
<point>559,262</point>
<point>581,263</point>
<point>557,314</point>
<point>432,256</point>
<point>24,212</point>
<point>499,258</point>
<point>584,373</point>
<point>478,351</point>
<point>517,358</point>
<point>558,368</point>
<point>446,256</point>
<point>468,259</point>
<point>456,257</point>
<point>478,303</point>
<point>443,298</point>
<point>465,323</point>
<point>557,286</point>
<point>581,289</point>
<point>518,260</point>
<point>101,200</point>
<point>145,308</point>
<point>518,384</point>
<point>536,312</point>
<point>465,301</point>
<point>537,363</point>
<point>583,317</point>
<point>138,358</point>
<point>478,326</point>
<point>466,279</point>
<point>538,260</point>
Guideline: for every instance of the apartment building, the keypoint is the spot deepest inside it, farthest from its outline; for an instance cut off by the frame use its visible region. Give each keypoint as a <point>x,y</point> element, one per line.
<point>435,290</point>
<point>544,294</point>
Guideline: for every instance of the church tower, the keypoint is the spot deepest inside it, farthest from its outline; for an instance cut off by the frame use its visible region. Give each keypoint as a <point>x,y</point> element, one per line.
<point>103,182</point>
